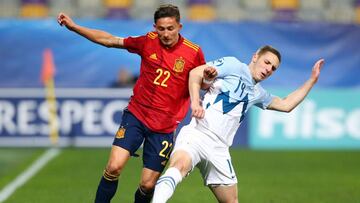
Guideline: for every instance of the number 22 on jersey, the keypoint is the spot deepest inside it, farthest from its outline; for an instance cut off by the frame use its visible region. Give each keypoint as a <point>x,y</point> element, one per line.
<point>162,77</point>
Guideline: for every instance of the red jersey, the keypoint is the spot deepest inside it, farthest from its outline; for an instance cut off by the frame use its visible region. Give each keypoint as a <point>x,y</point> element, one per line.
<point>161,95</point>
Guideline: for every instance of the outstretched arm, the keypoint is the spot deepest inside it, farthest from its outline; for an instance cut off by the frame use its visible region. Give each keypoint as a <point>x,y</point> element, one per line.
<point>288,103</point>
<point>97,36</point>
<point>196,82</point>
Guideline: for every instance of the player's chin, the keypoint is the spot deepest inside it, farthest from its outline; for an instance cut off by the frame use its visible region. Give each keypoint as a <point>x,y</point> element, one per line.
<point>167,43</point>
<point>262,77</point>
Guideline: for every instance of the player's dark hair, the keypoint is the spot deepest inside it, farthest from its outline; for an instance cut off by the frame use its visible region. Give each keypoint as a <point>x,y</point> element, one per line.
<point>271,49</point>
<point>167,10</point>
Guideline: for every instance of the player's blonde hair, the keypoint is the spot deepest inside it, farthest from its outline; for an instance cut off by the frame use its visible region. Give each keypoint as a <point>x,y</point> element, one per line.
<point>268,48</point>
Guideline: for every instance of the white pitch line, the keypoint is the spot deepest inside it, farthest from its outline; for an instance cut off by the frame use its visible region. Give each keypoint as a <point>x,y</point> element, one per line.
<point>20,180</point>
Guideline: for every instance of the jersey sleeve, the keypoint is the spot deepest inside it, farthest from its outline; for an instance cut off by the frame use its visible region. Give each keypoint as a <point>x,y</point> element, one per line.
<point>265,98</point>
<point>134,44</point>
<point>200,58</point>
<point>225,66</point>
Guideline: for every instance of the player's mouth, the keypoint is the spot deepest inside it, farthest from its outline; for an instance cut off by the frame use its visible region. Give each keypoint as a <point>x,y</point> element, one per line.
<point>263,75</point>
<point>167,40</point>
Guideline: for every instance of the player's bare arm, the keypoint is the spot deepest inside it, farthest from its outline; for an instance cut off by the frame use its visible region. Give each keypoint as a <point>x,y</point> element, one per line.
<point>196,82</point>
<point>288,103</point>
<point>97,36</point>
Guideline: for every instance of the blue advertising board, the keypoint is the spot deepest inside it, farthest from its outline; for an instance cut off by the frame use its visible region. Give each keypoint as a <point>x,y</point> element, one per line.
<point>325,119</point>
<point>85,117</point>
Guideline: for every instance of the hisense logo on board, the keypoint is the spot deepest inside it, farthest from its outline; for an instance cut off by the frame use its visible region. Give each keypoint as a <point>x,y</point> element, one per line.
<point>310,121</point>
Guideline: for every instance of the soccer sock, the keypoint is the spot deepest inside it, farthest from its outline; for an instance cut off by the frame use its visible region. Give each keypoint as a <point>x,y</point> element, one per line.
<point>143,197</point>
<point>107,188</point>
<point>166,185</point>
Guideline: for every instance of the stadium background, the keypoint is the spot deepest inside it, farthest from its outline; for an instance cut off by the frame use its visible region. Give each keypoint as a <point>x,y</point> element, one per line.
<point>322,136</point>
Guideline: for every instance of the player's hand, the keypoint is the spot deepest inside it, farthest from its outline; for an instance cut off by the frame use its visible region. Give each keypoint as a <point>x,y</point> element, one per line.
<point>316,70</point>
<point>197,110</point>
<point>64,19</point>
<point>210,73</point>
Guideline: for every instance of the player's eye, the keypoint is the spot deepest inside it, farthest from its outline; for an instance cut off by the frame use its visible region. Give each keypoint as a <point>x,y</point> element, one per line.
<point>160,28</point>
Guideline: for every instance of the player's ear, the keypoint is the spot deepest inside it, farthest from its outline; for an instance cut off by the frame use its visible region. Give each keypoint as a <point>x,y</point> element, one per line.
<point>180,26</point>
<point>254,58</point>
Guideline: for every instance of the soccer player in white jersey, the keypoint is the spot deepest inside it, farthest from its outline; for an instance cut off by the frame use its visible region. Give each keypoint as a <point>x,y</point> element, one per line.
<point>205,142</point>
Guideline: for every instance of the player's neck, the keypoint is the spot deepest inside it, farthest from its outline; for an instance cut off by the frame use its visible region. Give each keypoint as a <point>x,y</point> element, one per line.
<point>252,72</point>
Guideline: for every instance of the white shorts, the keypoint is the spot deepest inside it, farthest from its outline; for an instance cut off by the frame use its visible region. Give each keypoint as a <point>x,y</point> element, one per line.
<point>208,154</point>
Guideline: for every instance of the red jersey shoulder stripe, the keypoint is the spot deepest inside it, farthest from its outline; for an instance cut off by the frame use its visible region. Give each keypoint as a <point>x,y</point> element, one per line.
<point>152,35</point>
<point>191,45</point>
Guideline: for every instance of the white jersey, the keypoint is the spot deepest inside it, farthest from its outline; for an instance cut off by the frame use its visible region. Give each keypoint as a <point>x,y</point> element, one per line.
<point>229,98</point>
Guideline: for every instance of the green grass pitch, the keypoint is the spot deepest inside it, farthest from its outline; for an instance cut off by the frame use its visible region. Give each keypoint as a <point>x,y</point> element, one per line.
<point>264,177</point>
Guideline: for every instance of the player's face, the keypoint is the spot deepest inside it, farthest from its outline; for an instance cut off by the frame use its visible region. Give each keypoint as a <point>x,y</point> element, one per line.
<point>168,30</point>
<point>264,65</point>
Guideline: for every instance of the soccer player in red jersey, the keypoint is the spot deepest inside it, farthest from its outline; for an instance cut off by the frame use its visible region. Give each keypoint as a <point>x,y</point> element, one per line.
<point>160,98</point>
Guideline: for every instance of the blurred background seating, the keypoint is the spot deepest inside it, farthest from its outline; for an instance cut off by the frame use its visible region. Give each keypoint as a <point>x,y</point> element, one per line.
<point>9,8</point>
<point>143,9</point>
<point>337,11</point>
<point>341,11</point>
<point>91,8</point>
<point>310,10</point>
<point>229,10</point>
<point>258,10</point>
<point>285,10</point>
<point>68,6</point>
<point>357,11</point>
<point>118,8</point>
<point>34,8</point>
<point>201,10</point>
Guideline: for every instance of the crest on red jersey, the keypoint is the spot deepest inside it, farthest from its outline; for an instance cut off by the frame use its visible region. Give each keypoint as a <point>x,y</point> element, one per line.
<point>179,65</point>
